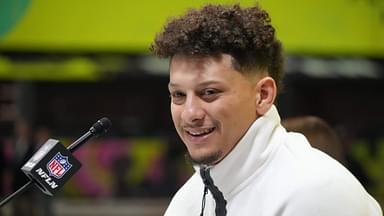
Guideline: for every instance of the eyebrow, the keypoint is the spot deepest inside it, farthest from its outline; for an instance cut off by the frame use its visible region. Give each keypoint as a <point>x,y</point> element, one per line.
<point>205,83</point>
<point>172,85</point>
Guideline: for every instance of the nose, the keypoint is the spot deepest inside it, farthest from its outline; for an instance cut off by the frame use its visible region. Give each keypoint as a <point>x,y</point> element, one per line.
<point>193,112</point>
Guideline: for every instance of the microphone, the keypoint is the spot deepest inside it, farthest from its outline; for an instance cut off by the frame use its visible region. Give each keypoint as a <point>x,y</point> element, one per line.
<point>100,127</point>
<point>53,164</point>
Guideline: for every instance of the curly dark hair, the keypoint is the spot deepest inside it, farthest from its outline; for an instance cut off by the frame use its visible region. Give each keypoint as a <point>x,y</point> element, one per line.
<point>244,33</point>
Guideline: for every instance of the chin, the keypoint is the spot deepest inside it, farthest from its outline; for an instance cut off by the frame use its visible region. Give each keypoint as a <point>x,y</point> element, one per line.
<point>209,159</point>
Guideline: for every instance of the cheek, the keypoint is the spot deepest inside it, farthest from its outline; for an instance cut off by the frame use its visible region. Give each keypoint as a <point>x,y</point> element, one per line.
<point>220,113</point>
<point>239,112</point>
<point>175,113</point>
<point>228,107</point>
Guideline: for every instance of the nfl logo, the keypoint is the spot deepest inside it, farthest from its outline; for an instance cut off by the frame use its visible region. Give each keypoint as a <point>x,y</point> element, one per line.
<point>58,166</point>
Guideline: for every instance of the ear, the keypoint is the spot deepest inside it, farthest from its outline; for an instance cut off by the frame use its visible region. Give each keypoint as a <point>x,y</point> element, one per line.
<point>266,91</point>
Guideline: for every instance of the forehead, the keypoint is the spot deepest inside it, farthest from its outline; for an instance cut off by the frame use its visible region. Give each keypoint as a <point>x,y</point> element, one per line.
<point>200,65</point>
<point>191,70</point>
<point>195,59</point>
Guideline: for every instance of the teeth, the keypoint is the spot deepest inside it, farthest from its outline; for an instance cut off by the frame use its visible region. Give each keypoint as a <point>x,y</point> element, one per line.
<point>199,133</point>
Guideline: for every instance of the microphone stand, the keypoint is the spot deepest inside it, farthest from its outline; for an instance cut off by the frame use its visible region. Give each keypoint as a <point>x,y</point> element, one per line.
<point>16,193</point>
<point>99,127</point>
<point>25,187</point>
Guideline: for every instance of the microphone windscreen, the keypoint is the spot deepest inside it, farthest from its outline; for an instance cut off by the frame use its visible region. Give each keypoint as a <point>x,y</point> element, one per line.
<point>101,126</point>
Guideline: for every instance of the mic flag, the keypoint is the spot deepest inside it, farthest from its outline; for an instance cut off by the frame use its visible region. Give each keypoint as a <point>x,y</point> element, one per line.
<point>51,166</point>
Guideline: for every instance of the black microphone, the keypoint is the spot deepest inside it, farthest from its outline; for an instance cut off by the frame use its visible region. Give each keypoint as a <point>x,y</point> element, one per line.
<point>100,127</point>
<point>53,164</point>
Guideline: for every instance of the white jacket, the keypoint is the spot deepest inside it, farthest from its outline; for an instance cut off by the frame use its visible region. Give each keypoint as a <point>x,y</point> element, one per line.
<point>271,172</point>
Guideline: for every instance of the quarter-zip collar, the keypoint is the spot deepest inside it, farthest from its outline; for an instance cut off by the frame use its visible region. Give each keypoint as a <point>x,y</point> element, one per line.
<point>249,155</point>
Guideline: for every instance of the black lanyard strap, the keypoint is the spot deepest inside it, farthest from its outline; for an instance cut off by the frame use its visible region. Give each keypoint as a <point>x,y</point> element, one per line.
<point>221,203</point>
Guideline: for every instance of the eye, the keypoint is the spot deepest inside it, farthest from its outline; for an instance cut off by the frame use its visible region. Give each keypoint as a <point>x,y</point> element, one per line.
<point>210,91</point>
<point>177,97</point>
<point>210,94</point>
<point>207,92</point>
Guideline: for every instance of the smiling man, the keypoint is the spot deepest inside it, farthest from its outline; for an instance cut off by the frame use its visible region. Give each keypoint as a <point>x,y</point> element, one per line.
<point>225,71</point>
<point>213,105</point>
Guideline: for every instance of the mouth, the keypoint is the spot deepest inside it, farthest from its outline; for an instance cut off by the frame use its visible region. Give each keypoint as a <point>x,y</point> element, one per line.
<point>200,132</point>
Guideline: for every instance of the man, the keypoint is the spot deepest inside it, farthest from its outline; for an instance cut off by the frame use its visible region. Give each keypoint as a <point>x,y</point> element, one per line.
<point>225,70</point>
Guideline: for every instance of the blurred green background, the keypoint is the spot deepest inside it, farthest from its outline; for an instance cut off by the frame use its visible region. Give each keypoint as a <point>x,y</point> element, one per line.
<point>64,64</point>
<point>352,27</point>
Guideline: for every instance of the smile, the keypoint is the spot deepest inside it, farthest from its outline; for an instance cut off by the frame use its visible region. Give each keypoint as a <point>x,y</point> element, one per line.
<point>201,132</point>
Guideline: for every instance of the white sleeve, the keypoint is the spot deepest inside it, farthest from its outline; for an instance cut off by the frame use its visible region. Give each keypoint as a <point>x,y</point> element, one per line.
<point>338,198</point>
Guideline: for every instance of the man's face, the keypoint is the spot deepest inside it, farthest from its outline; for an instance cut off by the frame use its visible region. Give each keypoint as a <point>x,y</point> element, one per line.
<point>212,105</point>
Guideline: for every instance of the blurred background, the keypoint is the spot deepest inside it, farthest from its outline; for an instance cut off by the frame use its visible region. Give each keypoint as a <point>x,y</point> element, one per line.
<point>65,64</point>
